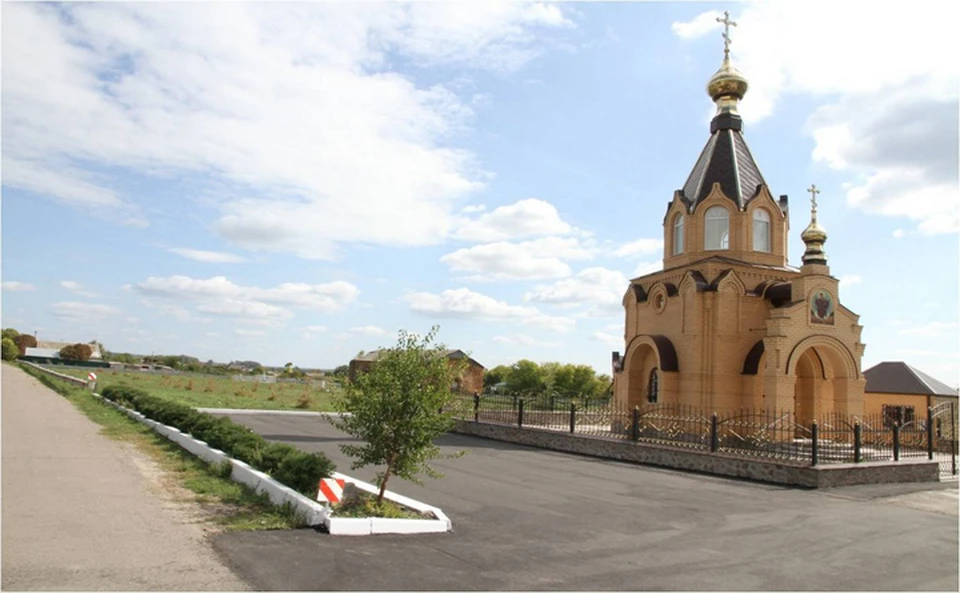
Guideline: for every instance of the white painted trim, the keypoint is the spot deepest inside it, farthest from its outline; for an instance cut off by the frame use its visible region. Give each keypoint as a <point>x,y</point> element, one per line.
<point>313,512</point>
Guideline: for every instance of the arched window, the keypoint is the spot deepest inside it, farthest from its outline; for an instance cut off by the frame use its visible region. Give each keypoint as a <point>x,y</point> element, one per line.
<point>761,230</point>
<point>653,387</point>
<point>716,230</point>
<point>678,234</point>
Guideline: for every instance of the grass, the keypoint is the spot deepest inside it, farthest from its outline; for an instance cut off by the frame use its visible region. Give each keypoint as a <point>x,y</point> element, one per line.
<point>365,505</point>
<point>213,391</point>
<point>230,504</point>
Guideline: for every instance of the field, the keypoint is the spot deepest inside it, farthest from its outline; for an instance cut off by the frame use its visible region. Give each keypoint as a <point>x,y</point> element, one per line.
<point>213,391</point>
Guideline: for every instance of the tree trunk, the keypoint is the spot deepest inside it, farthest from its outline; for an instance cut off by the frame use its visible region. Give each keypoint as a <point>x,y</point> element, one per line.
<point>386,476</point>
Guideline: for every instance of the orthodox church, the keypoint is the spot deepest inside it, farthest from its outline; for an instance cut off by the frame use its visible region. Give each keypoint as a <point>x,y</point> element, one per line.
<point>727,323</point>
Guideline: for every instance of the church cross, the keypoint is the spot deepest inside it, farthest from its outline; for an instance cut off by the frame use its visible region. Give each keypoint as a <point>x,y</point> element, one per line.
<point>813,196</point>
<point>726,30</point>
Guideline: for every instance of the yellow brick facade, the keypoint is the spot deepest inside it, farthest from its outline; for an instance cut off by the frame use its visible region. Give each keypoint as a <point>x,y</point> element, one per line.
<point>737,328</point>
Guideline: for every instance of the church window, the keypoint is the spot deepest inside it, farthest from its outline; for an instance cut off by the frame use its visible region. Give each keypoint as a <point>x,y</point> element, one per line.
<point>653,387</point>
<point>678,234</point>
<point>761,230</point>
<point>717,228</point>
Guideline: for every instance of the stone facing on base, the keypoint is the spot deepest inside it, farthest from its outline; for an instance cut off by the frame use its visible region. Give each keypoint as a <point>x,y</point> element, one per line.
<point>761,470</point>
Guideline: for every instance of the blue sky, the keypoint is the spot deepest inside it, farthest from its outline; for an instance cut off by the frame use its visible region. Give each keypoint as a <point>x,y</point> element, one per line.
<point>298,182</point>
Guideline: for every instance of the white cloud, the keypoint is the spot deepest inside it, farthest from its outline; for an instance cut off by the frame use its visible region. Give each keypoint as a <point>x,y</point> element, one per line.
<point>466,304</point>
<point>77,289</point>
<point>368,330</point>
<point>287,107</point>
<point>217,257</point>
<point>538,259</point>
<point>898,234</point>
<point>933,329</point>
<point>891,120</point>
<point>700,25</point>
<point>850,279</point>
<point>80,313</point>
<point>644,268</point>
<point>250,304</point>
<point>246,333</point>
<point>640,247</point>
<point>14,286</point>
<point>522,340</point>
<point>526,218</point>
<point>610,340</point>
<point>599,287</point>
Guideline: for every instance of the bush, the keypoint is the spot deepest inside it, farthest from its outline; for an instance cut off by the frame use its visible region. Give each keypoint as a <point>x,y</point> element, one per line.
<point>297,469</point>
<point>10,350</point>
<point>24,341</point>
<point>302,471</point>
<point>76,352</point>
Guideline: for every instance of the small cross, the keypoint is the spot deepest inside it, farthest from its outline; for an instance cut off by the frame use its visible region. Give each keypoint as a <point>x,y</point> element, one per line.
<point>813,195</point>
<point>726,30</point>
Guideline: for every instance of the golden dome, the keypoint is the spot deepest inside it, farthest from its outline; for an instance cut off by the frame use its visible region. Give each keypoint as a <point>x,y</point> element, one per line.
<point>727,82</point>
<point>814,236</point>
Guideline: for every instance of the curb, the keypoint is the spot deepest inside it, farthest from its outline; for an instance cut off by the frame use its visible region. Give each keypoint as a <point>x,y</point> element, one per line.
<point>313,512</point>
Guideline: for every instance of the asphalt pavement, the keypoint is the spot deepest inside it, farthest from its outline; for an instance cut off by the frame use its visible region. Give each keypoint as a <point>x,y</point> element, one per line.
<point>82,512</point>
<point>530,519</point>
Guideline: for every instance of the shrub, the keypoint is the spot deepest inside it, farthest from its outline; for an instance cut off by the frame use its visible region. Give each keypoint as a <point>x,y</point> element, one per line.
<point>302,471</point>
<point>297,469</point>
<point>10,350</point>
<point>76,352</point>
<point>24,341</point>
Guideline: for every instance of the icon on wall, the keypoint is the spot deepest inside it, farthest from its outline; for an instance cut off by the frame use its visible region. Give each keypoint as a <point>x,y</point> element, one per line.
<point>821,308</point>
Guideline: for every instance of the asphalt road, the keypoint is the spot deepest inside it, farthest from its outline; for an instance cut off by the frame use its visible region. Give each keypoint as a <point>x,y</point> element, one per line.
<point>527,519</point>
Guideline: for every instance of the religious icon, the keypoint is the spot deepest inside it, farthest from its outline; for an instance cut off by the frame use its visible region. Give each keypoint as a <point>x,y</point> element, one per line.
<point>821,308</point>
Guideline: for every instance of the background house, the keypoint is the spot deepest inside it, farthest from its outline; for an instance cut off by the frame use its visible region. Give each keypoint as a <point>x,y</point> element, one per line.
<point>470,382</point>
<point>900,392</point>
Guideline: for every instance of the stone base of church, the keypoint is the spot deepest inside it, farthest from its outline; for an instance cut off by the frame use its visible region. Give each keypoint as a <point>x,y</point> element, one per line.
<point>761,470</point>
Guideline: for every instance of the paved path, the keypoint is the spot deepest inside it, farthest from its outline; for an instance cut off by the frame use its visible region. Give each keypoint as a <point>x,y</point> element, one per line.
<point>527,519</point>
<point>80,512</point>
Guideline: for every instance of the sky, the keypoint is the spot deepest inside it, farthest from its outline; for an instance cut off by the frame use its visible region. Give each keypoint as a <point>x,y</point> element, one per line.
<point>298,182</point>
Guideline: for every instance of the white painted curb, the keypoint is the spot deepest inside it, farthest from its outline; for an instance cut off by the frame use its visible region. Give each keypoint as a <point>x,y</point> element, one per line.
<point>313,512</point>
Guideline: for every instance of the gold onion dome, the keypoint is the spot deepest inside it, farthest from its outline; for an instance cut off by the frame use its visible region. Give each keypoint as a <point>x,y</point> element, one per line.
<point>727,82</point>
<point>814,236</point>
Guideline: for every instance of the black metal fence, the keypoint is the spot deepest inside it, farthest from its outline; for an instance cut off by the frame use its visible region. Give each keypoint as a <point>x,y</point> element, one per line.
<point>832,438</point>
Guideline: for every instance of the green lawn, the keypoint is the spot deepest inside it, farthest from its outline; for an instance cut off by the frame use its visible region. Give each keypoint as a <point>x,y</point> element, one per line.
<point>212,391</point>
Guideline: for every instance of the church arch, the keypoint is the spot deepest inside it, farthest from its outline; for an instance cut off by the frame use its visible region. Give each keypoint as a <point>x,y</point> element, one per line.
<point>647,358</point>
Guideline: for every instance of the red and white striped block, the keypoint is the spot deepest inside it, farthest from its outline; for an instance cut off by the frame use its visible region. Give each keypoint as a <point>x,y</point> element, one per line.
<point>91,376</point>
<point>331,489</point>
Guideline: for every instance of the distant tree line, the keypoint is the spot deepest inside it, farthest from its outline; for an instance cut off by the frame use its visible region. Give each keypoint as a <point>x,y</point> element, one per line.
<point>526,377</point>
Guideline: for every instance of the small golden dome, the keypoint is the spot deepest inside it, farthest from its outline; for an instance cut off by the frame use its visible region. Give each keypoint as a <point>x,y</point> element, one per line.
<point>814,233</point>
<point>727,82</point>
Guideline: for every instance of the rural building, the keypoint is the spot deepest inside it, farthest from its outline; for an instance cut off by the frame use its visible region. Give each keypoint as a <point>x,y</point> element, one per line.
<point>470,382</point>
<point>898,392</point>
<point>728,323</point>
<point>51,345</point>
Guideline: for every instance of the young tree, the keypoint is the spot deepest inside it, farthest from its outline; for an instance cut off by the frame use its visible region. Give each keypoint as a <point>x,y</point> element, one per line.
<point>76,352</point>
<point>10,333</point>
<point>396,408</point>
<point>10,350</point>
<point>24,341</point>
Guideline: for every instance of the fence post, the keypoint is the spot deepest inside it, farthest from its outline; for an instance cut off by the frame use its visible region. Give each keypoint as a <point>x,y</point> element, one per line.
<point>953,438</point>
<point>635,425</point>
<point>476,407</point>
<point>520,413</point>
<point>815,443</point>
<point>714,434</point>
<point>929,432</point>
<point>573,417</point>
<point>896,441</point>
<point>857,442</point>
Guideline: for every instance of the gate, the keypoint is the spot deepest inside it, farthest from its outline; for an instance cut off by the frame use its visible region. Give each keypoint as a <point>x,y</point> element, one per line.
<point>943,419</point>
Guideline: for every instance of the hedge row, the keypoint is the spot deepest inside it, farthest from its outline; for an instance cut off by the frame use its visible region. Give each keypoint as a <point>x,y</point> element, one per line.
<point>288,465</point>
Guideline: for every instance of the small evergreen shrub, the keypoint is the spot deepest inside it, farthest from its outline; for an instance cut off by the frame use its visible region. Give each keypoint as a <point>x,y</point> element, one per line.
<point>297,469</point>
<point>10,350</point>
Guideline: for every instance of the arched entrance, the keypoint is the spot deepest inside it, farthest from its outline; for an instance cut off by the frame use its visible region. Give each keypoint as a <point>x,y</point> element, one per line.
<point>641,366</point>
<point>824,373</point>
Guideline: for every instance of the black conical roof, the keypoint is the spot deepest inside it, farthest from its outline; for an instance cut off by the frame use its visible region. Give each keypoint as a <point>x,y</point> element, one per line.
<point>726,160</point>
